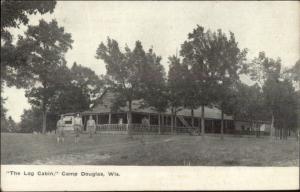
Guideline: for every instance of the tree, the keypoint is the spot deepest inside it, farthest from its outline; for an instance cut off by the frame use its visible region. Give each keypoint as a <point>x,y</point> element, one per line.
<point>296,71</point>
<point>191,89</point>
<point>263,68</point>
<point>154,90</point>
<point>13,14</point>
<point>280,99</point>
<point>86,79</point>
<point>3,109</point>
<point>80,90</point>
<point>45,46</point>
<point>175,87</point>
<point>266,72</point>
<point>293,74</point>
<point>195,51</point>
<point>249,103</point>
<point>127,72</point>
<point>215,61</point>
<point>31,120</point>
<point>226,59</point>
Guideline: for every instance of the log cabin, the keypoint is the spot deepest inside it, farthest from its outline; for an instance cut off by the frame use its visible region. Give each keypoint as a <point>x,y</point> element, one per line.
<point>115,121</point>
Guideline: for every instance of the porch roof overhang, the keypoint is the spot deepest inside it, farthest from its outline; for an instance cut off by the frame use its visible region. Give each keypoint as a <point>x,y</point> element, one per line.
<point>209,112</point>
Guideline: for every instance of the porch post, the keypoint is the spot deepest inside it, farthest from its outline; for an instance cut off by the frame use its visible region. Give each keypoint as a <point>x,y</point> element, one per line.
<point>109,118</point>
<point>149,121</point>
<point>199,124</point>
<point>172,123</point>
<point>149,118</point>
<point>175,122</point>
<point>97,119</point>
<point>159,123</point>
<point>83,122</point>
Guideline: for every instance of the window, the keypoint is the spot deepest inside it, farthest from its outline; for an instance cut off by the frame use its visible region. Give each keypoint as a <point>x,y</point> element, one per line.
<point>68,122</point>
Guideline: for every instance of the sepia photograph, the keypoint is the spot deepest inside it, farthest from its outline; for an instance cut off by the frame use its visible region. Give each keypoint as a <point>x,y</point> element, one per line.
<point>183,86</point>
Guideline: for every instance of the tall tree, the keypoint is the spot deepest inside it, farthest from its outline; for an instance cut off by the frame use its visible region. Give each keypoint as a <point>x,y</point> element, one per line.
<point>126,72</point>
<point>195,51</point>
<point>80,90</point>
<point>86,79</point>
<point>191,88</point>
<point>175,87</point>
<point>13,14</point>
<point>266,72</point>
<point>154,90</point>
<point>45,46</point>
<point>249,103</point>
<point>280,99</point>
<point>214,60</point>
<point>227,60</point>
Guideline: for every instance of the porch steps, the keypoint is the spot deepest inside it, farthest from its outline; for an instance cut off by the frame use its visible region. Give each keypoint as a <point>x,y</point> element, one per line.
<point>184,122</point>
<point>191,131</point>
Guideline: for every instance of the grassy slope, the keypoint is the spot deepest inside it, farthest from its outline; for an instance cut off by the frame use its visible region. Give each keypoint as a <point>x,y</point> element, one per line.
<point>148,150</point>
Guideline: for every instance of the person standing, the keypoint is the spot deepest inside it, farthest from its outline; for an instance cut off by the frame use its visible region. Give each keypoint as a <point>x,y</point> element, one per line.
<point>91,126</point>
<point>60,130</point>
<point>77,127</point>
<point>144,124</point>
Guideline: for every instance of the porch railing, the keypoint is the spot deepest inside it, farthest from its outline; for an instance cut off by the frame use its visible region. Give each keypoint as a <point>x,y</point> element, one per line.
<point>140,129</point>
<point>163,129</point>
<point>111,127</point>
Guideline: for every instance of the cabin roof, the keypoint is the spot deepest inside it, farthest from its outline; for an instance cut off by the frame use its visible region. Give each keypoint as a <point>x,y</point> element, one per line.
<point>106,101</point>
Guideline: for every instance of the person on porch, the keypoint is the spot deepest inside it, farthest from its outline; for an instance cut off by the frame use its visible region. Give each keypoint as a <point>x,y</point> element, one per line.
<point>145,124</point>
<point>120,121</point>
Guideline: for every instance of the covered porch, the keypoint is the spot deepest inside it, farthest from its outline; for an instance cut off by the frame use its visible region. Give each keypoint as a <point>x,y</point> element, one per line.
<point>155,123</point>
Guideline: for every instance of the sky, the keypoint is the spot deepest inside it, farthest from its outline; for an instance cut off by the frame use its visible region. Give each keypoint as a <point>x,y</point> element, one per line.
<point>272,27</point>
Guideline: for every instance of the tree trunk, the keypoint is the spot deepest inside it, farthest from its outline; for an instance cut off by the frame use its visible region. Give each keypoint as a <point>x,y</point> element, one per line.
<point>172,122</point>
<point>44,125</point>
<point>192,120</point>
<point>285,131</point>
<point>175,122</point>
<point>202,121</point>
<point>44,116</point>
<point>199,126</point>
<point>272,131</point>
<point>222,124</point>
<point>129,118</point>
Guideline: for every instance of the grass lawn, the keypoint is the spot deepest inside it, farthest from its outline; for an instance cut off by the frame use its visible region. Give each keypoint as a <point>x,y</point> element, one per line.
<point>148,150</point>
